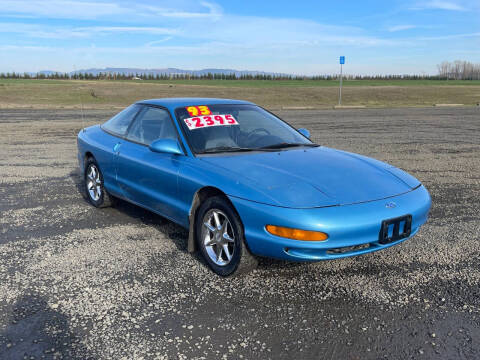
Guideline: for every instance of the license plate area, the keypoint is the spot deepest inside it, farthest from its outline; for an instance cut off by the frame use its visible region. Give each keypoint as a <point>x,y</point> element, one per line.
<point>395,229</point>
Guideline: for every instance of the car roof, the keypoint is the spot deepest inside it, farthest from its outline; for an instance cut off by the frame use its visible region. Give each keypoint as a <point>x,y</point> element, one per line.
<point>173,103</point>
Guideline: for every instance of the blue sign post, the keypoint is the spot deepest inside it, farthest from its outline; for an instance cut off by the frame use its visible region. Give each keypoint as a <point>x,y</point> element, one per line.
<point>342,61</point>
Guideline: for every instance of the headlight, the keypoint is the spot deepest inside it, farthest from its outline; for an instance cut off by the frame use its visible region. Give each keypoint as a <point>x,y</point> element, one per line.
<point>296,234</point>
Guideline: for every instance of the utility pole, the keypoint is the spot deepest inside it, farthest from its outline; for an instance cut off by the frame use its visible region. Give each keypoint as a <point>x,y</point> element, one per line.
<point>342,61</point>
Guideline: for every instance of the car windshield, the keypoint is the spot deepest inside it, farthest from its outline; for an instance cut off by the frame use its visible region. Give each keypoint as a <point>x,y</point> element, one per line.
<point>229,128</point>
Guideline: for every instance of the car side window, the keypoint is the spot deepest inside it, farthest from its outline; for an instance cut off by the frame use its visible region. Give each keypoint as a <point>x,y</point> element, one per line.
<point>120,122</point>
<point>150,125</point>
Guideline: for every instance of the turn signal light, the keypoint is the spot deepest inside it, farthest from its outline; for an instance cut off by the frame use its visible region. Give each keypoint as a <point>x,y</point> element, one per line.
<point>296,234</point>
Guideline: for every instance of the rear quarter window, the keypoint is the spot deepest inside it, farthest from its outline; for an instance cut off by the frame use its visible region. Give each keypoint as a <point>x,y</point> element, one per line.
<point>120,122</point>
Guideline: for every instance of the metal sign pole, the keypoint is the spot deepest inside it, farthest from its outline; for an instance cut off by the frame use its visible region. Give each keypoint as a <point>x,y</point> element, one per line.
<point>341,78</point>
<point>342,61</point>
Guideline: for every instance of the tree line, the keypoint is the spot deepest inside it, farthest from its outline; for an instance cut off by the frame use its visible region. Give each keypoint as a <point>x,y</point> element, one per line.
<point>147,76</point>
<point>208,76</point>
<point>459,70</point>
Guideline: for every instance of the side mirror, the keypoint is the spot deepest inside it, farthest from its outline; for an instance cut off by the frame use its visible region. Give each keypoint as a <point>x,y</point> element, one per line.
<point>304,132</point>
<point>167,146</point>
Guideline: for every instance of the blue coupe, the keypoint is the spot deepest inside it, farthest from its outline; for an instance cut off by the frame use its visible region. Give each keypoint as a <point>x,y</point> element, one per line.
<point>246,184</point>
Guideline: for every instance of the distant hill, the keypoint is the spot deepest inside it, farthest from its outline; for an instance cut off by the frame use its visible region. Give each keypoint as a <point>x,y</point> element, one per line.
<point>170,71</point>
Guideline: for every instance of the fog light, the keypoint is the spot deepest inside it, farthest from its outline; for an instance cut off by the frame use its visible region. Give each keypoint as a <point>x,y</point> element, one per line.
<point>296,234</point>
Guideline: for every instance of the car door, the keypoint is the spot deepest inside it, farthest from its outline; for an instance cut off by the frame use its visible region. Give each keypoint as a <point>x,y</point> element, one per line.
<point>148,178</point>
<point>108,145</point>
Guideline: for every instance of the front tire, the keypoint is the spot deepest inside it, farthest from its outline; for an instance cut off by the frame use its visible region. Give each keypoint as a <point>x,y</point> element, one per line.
<point>94,188</point>
<point>220,238</point>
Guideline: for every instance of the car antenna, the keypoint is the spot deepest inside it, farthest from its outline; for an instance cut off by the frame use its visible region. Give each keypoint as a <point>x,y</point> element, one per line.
<point>81,102</point>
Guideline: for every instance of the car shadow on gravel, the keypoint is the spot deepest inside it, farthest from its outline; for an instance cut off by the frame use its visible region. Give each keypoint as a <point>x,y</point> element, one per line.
<point>35,331</point>
<point>172,231</point>
<point>78,182</point>
<point>177,234</point>
<point>169,229</point>
<point>268,264</point>
<point>133,211</point>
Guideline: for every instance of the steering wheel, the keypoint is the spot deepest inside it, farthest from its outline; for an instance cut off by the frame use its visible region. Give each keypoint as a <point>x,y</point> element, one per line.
<point>255,131</point>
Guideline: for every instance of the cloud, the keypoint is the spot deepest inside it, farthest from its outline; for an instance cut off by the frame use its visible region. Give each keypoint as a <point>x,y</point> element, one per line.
<point>128,29</point>
<point>160,41</point>
<point>401,28</point>
<point>251,30</point>
<point>61,8</point>
<point>257,31</point>
<point>449,37</point>
<point>78,9</point>
<point>214,11</point>
<point>49,32</point>
<point>439,5</point>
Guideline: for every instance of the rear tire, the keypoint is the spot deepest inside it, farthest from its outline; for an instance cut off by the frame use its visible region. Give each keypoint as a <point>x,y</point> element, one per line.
<point>94,188</point>
<point>221,240</point>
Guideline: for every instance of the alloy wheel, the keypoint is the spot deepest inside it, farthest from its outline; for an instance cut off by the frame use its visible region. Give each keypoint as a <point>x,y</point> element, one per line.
<point>218,237</point>
<point>94,184</point>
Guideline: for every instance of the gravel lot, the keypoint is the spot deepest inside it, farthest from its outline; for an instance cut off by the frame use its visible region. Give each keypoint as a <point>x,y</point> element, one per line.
<point>79,282</point>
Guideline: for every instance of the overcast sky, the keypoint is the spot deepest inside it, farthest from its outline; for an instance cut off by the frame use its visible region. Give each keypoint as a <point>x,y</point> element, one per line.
<point>300,37</point>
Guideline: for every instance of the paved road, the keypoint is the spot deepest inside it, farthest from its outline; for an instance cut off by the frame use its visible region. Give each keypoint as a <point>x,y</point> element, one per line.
<point>78,282</point>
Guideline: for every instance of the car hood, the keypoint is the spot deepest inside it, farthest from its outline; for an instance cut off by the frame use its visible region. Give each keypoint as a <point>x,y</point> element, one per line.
<point>312,177</point>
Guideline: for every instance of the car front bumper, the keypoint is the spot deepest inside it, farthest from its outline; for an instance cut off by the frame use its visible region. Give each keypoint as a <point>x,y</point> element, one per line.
<point>352,229</point>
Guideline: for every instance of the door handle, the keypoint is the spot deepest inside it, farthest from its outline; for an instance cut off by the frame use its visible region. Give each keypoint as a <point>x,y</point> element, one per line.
<point>116,148</point>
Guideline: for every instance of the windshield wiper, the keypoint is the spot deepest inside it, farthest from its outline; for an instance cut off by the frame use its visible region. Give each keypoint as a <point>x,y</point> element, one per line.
<point>225,149</point>
<point>273,147</point>
<point>219,149</point>
<point>285,145</point>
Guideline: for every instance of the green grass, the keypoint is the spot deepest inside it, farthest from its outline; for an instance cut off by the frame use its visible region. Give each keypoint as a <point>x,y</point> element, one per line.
<point>31,81</point>
<point>267,83</point>
<point>269,93</point>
